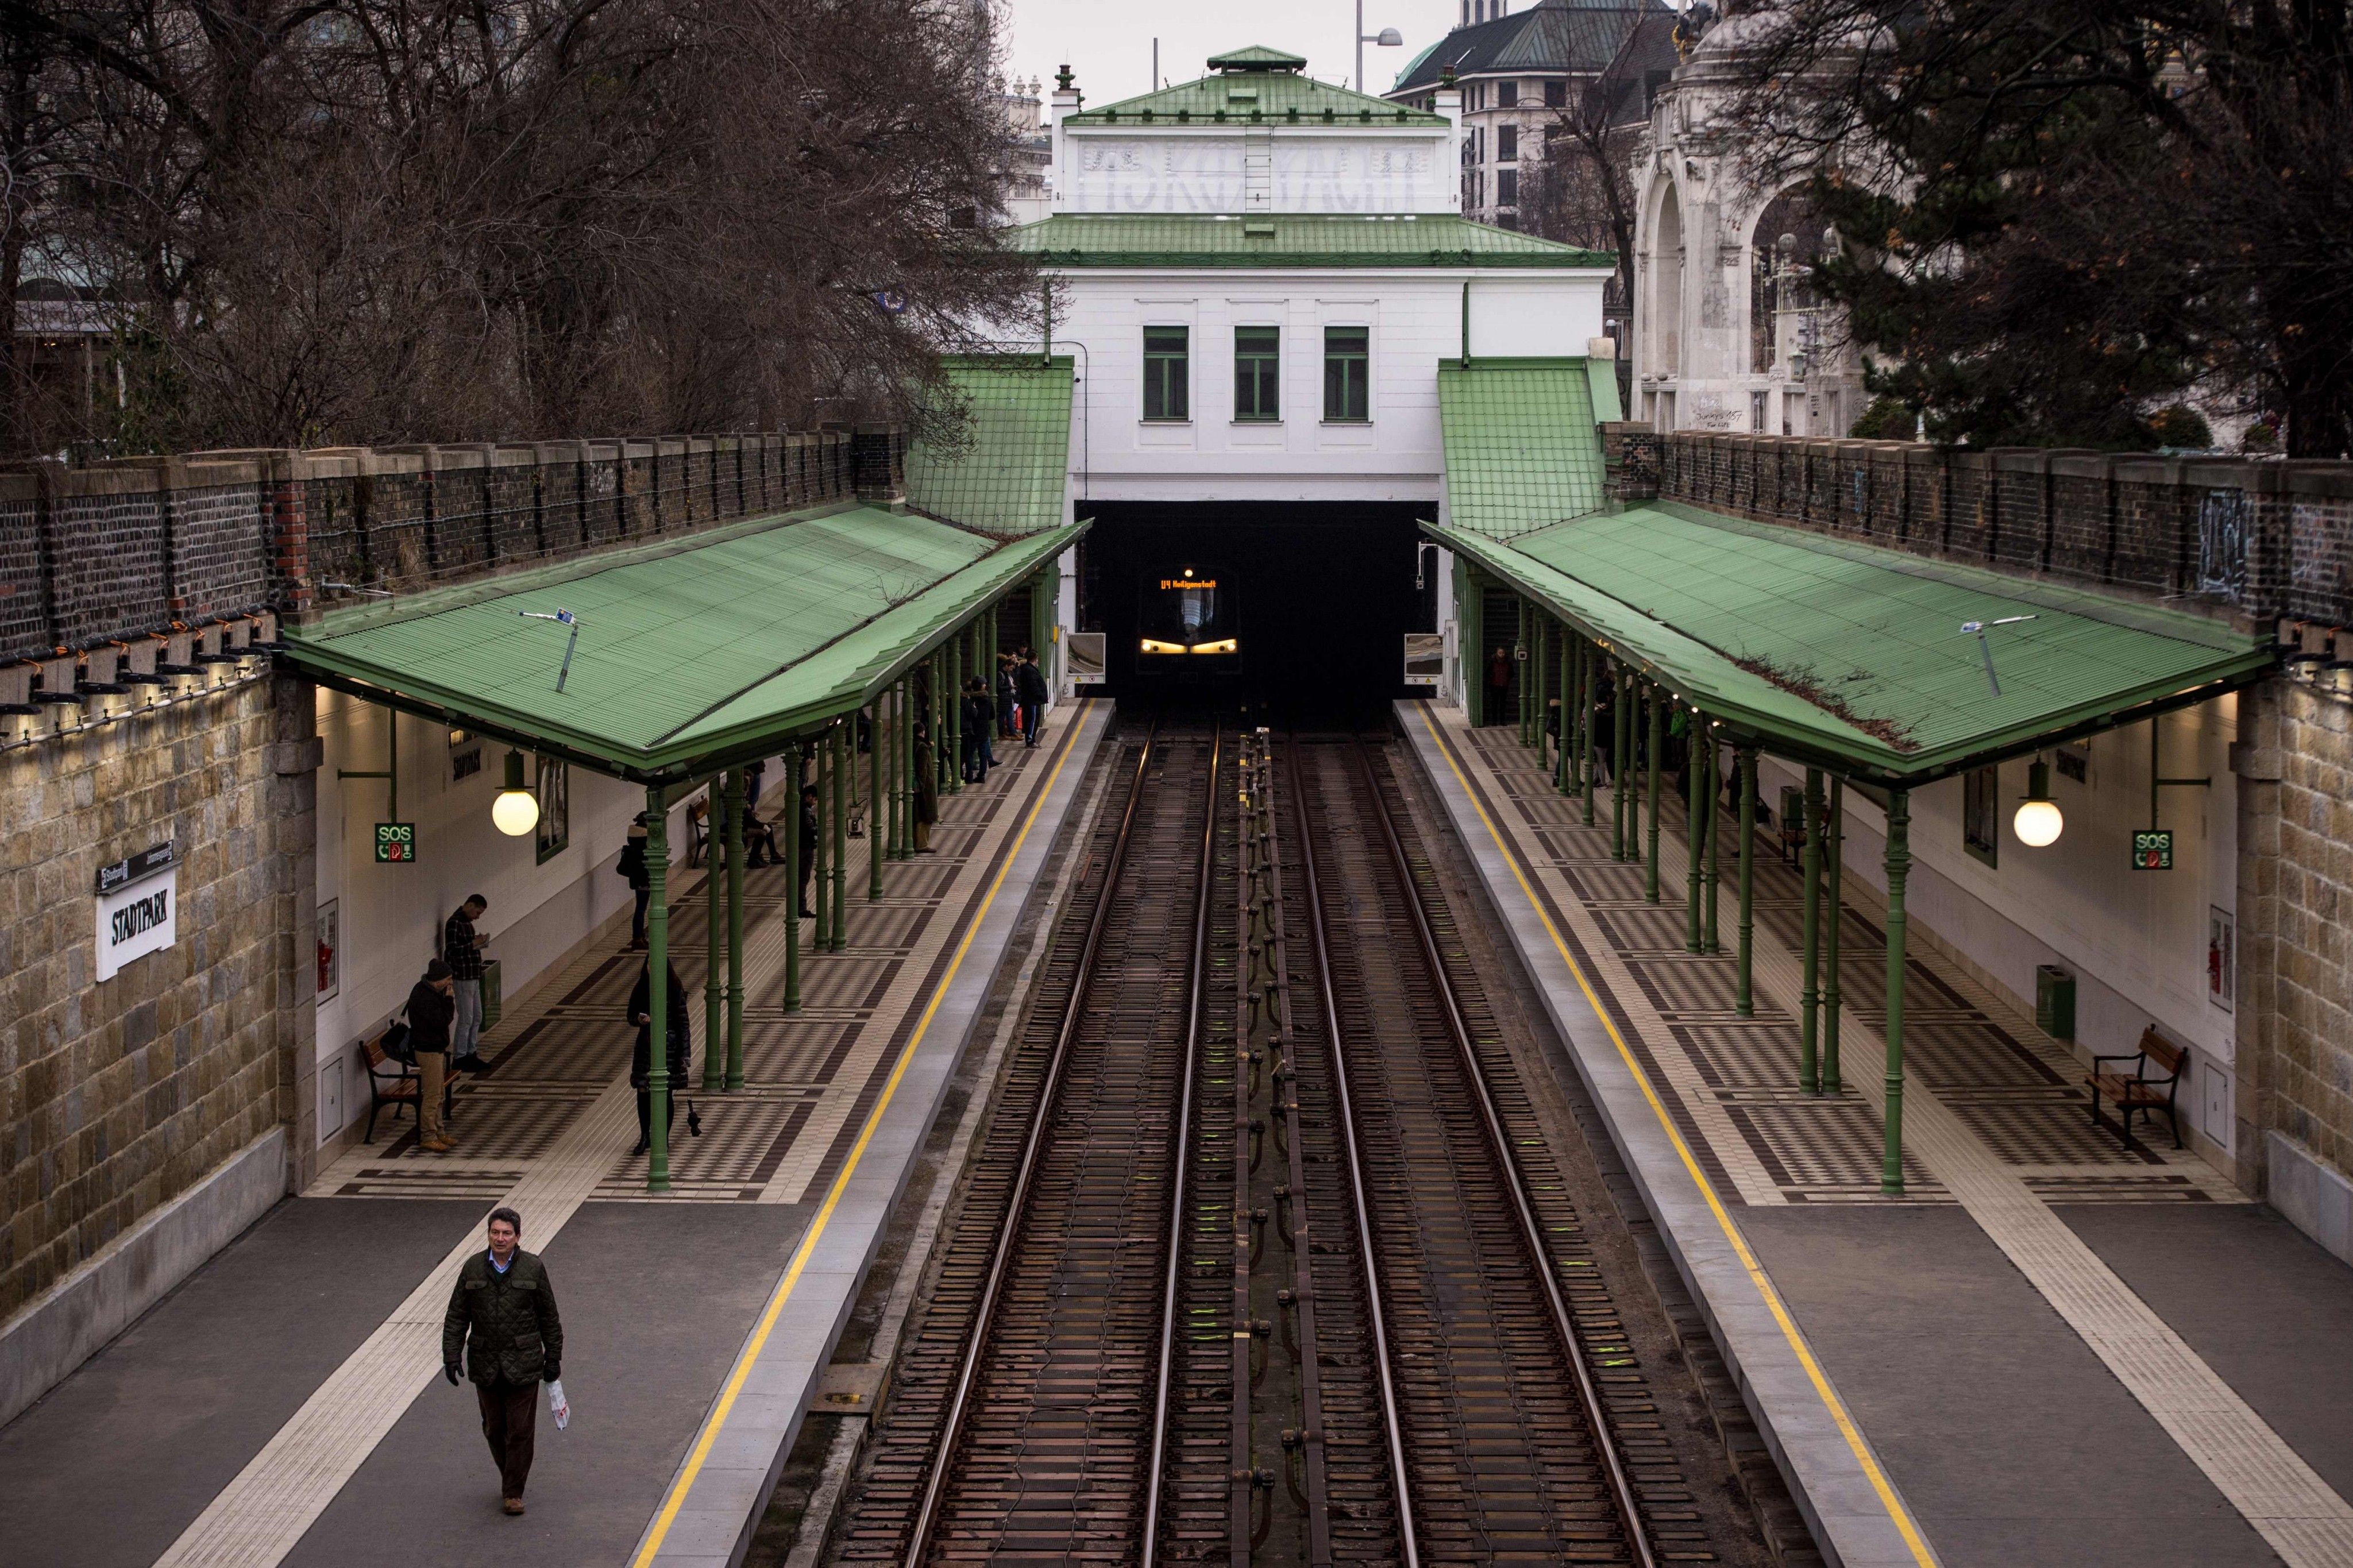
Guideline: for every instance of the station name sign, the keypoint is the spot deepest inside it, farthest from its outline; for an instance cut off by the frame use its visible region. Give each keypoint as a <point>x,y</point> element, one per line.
<point>138,908</point>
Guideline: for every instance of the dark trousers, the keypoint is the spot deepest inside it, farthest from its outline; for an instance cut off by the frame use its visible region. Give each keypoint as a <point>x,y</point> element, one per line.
<point>809,871</point>
<point>644,895</point>
<point>1033,715</point>
<point>975,757</point>
<point>646,1112</point>
<point>1004,717</point>
<point>509,1418</point>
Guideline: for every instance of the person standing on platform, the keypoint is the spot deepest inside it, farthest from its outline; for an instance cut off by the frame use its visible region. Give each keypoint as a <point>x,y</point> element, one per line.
<point>462,950</point>
<point>977,757</point>
<point>1031,686</point>
<point>502,1322</point>
<point>677,1045</point>
<point>809,828</point>
<point>639,876</point>
<point>926,769</point>
<point>430,1009</point>
<point>754,776</point>
<point>1499,685</point>
<point>1006,696</point>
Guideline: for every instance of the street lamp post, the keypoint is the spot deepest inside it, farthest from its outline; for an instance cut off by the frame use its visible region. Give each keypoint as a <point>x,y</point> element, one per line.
<point>1387,38</point>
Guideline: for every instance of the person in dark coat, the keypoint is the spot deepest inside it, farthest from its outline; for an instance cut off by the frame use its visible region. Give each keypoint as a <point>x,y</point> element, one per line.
<point>926,805</point>
<point>503,1321</point>
<point>807,847</point>
<point>977,756</point>
<point>1029,685</point>
<point>634,870</point>
<point>432,1007</point>
<point>1499,685</point>
<point>677,1045</point>
<point>1006,696</point>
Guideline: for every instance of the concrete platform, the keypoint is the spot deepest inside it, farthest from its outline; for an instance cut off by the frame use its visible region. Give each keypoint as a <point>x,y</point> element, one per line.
<point>1992,1370</point>
<point>284,1403</point>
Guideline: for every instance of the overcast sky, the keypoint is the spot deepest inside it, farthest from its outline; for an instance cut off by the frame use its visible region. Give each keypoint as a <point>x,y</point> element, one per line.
<point>1108,43</point>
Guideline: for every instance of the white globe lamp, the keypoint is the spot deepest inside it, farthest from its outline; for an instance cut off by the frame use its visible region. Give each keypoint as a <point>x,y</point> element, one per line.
<point>2038,823</point>
<point>516,811</point>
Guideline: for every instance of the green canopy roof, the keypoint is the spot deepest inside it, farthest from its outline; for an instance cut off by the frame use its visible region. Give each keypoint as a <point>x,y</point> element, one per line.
<point>1289,239</point>
<point>1520,448</point>
<point>1853,656</point>
<point>691,655</point>
<point>1256,84</point>
<point>1009,471</point>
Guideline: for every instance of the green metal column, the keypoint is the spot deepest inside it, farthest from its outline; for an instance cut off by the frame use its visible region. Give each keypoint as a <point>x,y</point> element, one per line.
<point>1809,1077</point>
<point>877,743</point>
<point>735,930</point>
<point>658,991</point>
<point>1744,759</point>
<point>952,727</point>
<point>1622,747</point>
<point>793,881</point>
<point>1591,714</point>
<point>1899,866</point>
<point>1474,656</point>
<point>1714,874</point>
<point>821,770</point>
<point>1655,746</point>
<point>714,989</point>
<point>1520,666</point>
<point>845,763</point>
<point>900,848</point>
<point>1833,853</point>
<point>1572,648</point>
<point>1694,832</point>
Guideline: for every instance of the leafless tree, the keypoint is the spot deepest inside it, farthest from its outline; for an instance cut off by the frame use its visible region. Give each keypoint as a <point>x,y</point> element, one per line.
<point>375,220</point>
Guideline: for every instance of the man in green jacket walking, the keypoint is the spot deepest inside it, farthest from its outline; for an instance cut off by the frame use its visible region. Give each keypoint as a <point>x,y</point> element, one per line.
<point>503,1317</point>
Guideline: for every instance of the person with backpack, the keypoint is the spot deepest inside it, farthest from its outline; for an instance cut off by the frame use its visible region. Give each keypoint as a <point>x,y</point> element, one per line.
<point>639,876</point>
<point>431,1008</point>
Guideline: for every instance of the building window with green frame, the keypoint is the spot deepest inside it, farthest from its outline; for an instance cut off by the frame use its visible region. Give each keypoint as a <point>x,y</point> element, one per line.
<point>1258,374</point>
<point>553,787</point>
<point>1167,352</point>
<point>1981,814</point>
<point>1347,365</point>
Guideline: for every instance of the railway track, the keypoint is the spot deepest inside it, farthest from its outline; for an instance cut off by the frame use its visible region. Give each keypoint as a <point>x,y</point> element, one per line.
<point>1263,1259</point>
<point>1025,1414</point>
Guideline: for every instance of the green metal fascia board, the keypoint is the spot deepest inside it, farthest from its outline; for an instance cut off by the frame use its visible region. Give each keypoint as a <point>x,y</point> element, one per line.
<point>1971,728</point>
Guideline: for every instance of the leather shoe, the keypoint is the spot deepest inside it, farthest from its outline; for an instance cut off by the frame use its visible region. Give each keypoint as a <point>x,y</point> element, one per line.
<point>514,1505</point>
<point>438,1146</point>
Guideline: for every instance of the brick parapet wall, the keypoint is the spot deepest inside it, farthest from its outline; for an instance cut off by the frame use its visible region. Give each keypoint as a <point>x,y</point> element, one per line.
<point>2262,539</point>
<point>129,548</point>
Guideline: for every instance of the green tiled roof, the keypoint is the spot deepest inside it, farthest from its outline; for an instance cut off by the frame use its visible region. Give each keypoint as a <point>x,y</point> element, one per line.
<point>1257,57</point>
<point>1008,473</point>
<point>1521,449</point>
<point>1277,95</point>
<point>1853,656</point>
<point>1288,239</point>
<point>692,655</point>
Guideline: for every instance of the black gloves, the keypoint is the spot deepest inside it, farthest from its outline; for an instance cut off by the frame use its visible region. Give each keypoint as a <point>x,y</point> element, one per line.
<point>550,1372</point>
<point>450,1372</point>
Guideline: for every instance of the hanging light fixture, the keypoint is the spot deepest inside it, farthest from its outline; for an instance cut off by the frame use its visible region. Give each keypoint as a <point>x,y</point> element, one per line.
<point>516,811</point>
<point>2038,821</point>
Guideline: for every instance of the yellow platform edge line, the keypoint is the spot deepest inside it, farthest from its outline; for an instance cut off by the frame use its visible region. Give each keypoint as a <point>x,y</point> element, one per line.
<point>750,1355</point>
<point>1855,1441</point>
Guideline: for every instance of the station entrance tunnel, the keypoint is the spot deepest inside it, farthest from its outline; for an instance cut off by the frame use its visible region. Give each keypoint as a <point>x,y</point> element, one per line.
<point>1314,597</point>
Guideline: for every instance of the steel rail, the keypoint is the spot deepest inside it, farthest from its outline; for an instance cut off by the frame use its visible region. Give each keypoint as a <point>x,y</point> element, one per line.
<point>968,1369</point>
<point>1195,990</point>
<point>1319,943</point>
<point>1531,1234</point>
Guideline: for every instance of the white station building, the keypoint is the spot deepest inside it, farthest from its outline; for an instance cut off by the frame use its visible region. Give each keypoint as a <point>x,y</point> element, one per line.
<point>1283,334</point>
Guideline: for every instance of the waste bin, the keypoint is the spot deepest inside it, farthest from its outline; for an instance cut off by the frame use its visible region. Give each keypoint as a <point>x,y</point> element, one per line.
<point>2055,1001</point>
<point>493,995</point>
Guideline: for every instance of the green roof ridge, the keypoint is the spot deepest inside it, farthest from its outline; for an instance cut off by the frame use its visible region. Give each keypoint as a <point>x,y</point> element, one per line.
<point>1261,94</point>
<point>1257,57</point>
<point>1289,239</point>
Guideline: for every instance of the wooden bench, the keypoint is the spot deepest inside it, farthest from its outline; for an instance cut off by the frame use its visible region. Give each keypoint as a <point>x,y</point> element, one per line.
<point>2153,1085</point>
<point>397,1084</point>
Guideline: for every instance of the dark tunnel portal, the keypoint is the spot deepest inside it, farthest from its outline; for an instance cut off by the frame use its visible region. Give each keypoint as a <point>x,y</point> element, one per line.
<point>1325,593</point>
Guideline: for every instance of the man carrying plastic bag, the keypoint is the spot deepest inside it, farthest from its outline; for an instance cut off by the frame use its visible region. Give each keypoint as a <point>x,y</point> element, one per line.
<point>502,1318</point>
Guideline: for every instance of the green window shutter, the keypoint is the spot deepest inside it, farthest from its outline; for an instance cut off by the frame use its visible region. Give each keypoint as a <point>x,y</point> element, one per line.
<point>1347,359</point>
<point>1165,352</point>
<point>1258,374</point>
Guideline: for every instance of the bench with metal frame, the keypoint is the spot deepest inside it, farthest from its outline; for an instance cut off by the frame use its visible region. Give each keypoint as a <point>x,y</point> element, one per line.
<point>2153,1085</point>
<point>394,1082</point>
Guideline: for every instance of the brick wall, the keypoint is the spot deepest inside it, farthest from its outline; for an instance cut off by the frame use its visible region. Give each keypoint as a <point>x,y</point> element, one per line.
<point>2261,538</point>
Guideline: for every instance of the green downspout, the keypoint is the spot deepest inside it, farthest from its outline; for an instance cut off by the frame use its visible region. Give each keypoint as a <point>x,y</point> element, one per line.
<point>1833,854</point>
<point>658,989</point>
<point>735,930</point>
<point>1899,866</point>
<point>792,880</point>
<point>1809,1077</point>
<point>1656,746</point>
<point>714,989</point>
<point>1744,759</point>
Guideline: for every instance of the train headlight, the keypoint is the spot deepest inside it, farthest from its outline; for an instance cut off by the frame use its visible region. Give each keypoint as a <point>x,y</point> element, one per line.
<point>1224,645</point>
<point>1153,645</point>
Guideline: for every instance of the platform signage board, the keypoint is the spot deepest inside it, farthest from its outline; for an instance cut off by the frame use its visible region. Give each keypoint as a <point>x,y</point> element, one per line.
<point>138,908</point>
